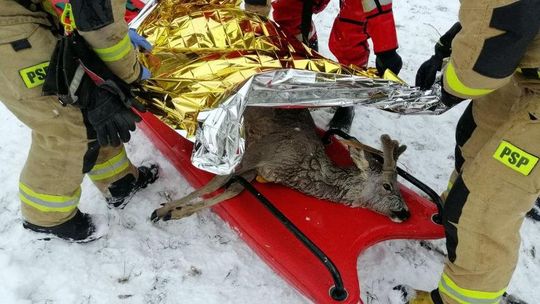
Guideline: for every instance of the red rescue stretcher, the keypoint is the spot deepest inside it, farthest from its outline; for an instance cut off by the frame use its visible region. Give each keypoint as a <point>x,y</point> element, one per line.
<point>340,232</point>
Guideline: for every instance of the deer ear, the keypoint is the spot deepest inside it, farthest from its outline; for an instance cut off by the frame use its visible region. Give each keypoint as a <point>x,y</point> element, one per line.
<point>358,157</point>
<point>364,160</point>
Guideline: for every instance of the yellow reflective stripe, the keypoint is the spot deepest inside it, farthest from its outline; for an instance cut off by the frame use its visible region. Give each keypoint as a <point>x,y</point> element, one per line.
<point>449,186</point>
<point>47,202</point>
<point>515,158</point>
<point>115,52</point>
<point>468,296</point>
<point>110,168</point>
<point>457,86</point>
<point>35,75</point>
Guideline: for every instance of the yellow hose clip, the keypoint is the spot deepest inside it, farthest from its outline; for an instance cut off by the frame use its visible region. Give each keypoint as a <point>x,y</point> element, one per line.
<point>67,19</point>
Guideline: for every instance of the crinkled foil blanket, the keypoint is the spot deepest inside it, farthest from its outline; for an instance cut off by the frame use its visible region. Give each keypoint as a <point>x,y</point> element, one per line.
<point>211,56</point>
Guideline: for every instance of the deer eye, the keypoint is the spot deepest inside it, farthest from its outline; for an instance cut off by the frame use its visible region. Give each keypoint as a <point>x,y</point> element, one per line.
<point>387,187</point>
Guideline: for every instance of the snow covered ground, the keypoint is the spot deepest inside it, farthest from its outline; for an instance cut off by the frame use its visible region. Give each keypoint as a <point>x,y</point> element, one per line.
<point>200,259</point>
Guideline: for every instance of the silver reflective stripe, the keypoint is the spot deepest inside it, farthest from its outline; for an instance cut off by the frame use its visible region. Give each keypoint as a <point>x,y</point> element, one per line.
<point>369,5</point>
<point>76,82</point>
<point>451,292</point>
<point>35,200</point>
<point>111,170</point>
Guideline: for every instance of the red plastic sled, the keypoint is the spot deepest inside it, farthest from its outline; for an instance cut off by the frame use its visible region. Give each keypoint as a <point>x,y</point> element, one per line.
<point>341,232</point>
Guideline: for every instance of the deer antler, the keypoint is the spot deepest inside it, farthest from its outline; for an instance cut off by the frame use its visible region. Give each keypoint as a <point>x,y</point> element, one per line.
<point>391,151</point>
<point>389,146</point>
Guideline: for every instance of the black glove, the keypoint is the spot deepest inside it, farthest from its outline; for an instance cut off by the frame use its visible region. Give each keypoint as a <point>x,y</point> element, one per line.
<point>448,99</point>
<point>425,76</point>
<point>109,112</point>
<point>388,60</point>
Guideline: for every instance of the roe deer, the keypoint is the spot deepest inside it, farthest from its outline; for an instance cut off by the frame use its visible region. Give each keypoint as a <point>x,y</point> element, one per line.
<point>282,147</point>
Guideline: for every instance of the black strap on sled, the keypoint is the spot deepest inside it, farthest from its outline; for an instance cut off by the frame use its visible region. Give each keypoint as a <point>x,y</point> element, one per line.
<point>435,198</point>
<point>338,291</point>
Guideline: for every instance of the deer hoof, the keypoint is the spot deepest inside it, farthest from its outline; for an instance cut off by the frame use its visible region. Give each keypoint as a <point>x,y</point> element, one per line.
<point>154,217</point>
<point>160,214</point>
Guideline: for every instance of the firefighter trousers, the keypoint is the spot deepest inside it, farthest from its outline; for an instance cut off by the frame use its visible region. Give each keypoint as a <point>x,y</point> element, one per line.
<point>496,181</point>
<point>49,187</point>
<point>348,37</point>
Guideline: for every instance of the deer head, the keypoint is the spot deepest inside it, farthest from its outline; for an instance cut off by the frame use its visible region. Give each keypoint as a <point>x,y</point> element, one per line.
<point>379,190</point>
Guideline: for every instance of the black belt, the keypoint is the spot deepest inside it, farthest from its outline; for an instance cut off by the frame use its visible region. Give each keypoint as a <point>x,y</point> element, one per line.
<point>533,73</point>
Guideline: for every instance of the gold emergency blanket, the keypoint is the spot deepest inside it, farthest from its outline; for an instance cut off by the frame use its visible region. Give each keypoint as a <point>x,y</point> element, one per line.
<point>204,50</point>
<point>211,56</point>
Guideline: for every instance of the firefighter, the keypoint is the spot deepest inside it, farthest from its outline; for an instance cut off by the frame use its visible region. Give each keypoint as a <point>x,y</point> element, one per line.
<point>495,61</point>
<point>356,22</point>
<point>64,144</point>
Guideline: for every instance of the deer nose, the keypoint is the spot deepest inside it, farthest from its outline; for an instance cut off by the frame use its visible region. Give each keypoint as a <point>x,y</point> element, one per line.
<point>401,215</point>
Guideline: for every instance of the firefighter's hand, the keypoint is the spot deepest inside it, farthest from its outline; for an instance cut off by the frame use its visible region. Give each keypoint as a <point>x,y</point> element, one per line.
<point>388,60</point>
<point>448,99</point>
<point>138,41</point>
<point>145,73</point>
<point>426,74</point>
<point>111,118</point>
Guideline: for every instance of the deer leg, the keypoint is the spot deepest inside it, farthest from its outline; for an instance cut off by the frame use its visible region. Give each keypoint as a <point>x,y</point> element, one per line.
<point>187,210</point>
<point>215,183</point>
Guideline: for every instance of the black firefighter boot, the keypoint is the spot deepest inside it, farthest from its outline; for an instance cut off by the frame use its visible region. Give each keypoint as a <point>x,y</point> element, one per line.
<point>79,229</point>
<point>342,120</point>
<point>411,296</point>
<point>534,213</point>
<point>123,189</point>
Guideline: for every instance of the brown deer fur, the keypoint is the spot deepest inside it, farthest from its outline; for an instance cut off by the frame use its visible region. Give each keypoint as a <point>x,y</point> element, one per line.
<point>282,147</point>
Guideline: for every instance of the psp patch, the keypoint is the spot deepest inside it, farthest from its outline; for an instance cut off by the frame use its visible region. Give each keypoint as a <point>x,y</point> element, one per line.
<point>35,75</point>
<point>515,158</point>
